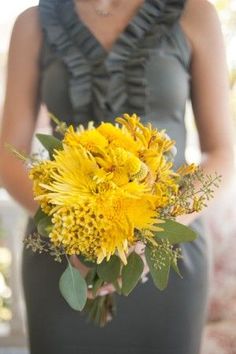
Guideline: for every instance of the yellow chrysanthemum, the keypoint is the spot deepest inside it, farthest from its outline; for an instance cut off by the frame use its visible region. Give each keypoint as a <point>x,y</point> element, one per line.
<point>118,137</point>
<point>106,186</point>
<point>122,165</point>
<point>97,231</point>
<point>91,139</point>
<point>92,214</point>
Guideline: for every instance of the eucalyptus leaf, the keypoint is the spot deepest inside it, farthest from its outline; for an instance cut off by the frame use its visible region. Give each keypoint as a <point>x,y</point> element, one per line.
<point>175,232</point>
<point>73,288</point>
<point>159,266</point>
<point>44,226</point>
<point>131,273</point>
<point>50,143</point>
<point>109,271</point>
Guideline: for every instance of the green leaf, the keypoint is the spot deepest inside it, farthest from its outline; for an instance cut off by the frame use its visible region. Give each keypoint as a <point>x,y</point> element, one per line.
<point>131,273</point>
<point>175,232</point>
<point>117,286</point>
<point>73,288</point>
<point>91,276</point>
<point>174,265</point>
<point>109,271</point>
<point>50,143</point>
<point>159,266</point>
<point>44,226</point>
<point>38,216</point>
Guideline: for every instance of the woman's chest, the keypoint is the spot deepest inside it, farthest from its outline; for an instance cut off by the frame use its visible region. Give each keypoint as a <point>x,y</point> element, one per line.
<point>145,71</point>
<point>151,78</point>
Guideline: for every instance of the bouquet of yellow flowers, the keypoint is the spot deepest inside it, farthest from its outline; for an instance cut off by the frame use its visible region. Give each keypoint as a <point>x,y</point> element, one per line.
<point>104,190</point>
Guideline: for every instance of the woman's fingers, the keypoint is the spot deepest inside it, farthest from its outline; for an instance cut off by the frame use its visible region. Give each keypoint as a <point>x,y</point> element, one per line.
<point>109,288</point>
<point>144,277</point>
<point>75,262</point>
<point>106,289</point>
<point>90,295</point>
<point>103,291</point>
<point>139,248</point>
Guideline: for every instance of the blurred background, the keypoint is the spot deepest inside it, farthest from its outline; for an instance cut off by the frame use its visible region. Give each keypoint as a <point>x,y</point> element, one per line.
<point>220,330</point>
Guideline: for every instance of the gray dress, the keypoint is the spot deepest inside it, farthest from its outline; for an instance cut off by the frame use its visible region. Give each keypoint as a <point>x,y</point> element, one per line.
<point>146,72</point>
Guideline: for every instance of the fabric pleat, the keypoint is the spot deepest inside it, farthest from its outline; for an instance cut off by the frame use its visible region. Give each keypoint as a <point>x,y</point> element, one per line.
<point>107,80</point>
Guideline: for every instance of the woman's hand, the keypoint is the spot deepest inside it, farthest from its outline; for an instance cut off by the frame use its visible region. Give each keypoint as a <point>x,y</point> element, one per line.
<point>104,290</point>
<point>109,288</point>
<point>186,219</point>
<point>140,249</point>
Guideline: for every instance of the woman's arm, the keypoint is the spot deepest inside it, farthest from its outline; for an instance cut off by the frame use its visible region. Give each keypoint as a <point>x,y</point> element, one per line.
<point>209,90</point>
<point>20,111</point>
<point>19,116</point>
<point>21,105</point>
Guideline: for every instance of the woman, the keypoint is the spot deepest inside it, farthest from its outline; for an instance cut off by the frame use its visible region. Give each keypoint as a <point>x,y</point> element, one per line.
<point>93,60</point>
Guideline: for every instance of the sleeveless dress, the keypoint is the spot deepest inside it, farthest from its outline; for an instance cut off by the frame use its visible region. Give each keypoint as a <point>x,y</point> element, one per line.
<point>146,72</point>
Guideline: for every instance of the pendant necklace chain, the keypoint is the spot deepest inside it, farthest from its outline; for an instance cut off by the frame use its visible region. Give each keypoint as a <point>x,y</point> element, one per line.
<point>103,9</point>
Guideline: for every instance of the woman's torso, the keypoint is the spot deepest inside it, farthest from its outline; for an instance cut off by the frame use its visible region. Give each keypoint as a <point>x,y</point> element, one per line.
<point>146,71</point>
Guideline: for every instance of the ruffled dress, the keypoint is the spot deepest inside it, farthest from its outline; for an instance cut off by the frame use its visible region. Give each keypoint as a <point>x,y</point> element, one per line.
<point>147,71</point>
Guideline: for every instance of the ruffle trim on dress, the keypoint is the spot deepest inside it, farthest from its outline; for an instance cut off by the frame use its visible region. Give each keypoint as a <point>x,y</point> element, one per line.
<point>64,48</point>
<point>114,79</point>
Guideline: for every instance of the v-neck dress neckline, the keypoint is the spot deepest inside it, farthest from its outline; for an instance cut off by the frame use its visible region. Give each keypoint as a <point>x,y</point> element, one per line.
<point>145,16</point>
<point>106,83</point>
<point>88,44</point>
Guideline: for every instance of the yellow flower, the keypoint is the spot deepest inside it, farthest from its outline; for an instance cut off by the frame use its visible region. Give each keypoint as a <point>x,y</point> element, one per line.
<point>146,137</point>
<point>41,173</point>
<point>117,137</point>
<point>93,215</point>
<point>122,165</point>
<point>187,169</point>
<point>106,187</point>
<point>91,139</point>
